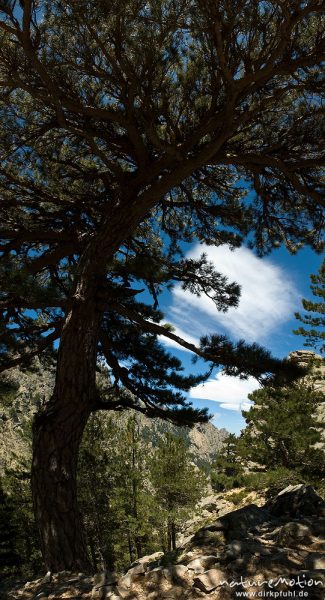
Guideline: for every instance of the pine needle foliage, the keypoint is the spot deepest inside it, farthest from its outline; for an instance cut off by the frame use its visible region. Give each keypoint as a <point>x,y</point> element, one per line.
<point>314,317</point>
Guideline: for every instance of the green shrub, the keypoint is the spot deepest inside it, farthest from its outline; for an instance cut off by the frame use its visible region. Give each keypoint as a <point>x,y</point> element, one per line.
<point>273,480</point>
<point>237,497</point>
<point>222,483</point>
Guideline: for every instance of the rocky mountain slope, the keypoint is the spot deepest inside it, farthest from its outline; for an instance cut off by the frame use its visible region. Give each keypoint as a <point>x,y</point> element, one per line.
<point>256,550</point>
<point>316,378</point>
<point>24,391</point>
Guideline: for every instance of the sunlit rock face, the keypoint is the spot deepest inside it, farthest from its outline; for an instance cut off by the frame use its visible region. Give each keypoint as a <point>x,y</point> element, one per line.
<point>317,377</point>
<point>303,358</point>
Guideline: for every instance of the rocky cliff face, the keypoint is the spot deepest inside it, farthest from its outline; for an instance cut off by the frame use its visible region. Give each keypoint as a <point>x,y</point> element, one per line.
<point>24,391</point>
<point>203,440</point>
<point>307,358</point>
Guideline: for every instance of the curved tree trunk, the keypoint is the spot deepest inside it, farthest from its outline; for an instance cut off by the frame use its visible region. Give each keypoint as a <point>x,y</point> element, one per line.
<point>57,433</point>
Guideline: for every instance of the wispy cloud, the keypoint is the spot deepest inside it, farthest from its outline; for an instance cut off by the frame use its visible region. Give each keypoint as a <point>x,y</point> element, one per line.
<point>230,392</point>
<point>267,298</point>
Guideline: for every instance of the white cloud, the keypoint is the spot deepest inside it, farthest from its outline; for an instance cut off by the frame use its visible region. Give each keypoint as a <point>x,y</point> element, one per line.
<point>230,392</point>
<point>267,298</point>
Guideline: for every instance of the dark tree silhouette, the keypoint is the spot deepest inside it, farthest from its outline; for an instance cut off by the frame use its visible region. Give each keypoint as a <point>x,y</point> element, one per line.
<point>126,129</point>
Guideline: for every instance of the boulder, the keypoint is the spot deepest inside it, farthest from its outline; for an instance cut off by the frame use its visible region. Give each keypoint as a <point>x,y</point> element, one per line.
<point>202,563</point>
<point>210,580</point>
<point>241,520</point>
<point>293,533</point>
<point>146,560</point>
<point>134,574</point>
<point>296,501</point>
<point>175,573</point>
<point>123,591</point>
<point>210,535</point>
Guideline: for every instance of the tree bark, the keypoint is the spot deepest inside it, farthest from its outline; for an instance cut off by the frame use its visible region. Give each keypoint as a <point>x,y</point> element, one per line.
<point>57,432</point>
<point>58,429</point>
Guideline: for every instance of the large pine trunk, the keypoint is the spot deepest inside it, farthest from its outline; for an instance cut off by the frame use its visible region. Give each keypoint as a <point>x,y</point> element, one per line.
<point>58,429</point>
<point>57,433</point>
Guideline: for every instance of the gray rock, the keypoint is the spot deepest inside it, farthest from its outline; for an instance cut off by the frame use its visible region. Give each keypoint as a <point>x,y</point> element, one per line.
<point>175,573</point>
<point>139,569</point>
<point>47,578</point>
<point>202,563</point>
<point>123,591</point>
<point>293,533</point>
<point>155,575</point>
<point>210,580</point>
<point>295,501</point>
<point>126,581</point>
<point>40,595</point>
<point>241,520</point>
<point>196,566</point>
<point>146,560</point>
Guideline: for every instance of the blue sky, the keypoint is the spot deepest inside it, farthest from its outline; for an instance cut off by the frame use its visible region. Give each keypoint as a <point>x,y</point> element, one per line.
<point>272,289</point>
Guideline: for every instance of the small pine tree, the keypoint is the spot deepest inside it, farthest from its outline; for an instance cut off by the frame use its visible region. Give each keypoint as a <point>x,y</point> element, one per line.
<point>117,508</point>
<point>227,468</point>
<point>132,498</point>
<point>315,316</point>
<point>178,485</point>
<point>283,431</point>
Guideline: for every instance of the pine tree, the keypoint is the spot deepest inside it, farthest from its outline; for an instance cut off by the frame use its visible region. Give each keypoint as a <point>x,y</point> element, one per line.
<point>118,509</point>
<point>133,499</point>
<point>283,431</point>
<point>96,485</point>
<point>227,468</point>
<point>314,318</point>
<point>126,129</point>
<point>178,485</point>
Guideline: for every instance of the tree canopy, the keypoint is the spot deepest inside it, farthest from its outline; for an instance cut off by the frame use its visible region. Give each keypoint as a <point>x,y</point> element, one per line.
<point>127,129</point>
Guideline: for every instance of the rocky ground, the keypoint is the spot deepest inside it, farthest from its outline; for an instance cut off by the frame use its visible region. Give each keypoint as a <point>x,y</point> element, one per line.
<point>241,551</point>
